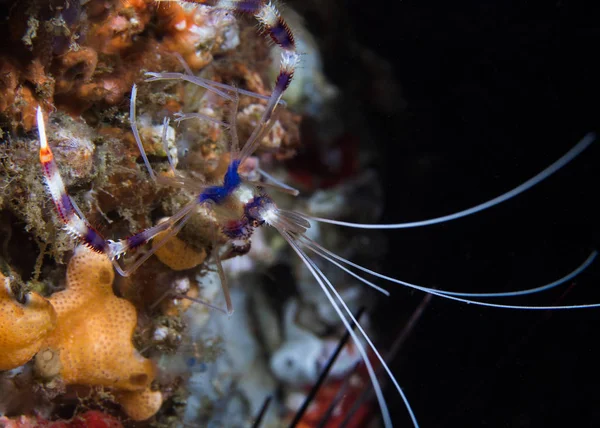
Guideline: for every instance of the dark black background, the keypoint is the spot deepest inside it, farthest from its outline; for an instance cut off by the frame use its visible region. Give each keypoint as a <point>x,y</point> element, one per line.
<point>491,92</point>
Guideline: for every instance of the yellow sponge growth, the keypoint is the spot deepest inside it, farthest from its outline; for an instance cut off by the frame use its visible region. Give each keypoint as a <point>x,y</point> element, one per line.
<point>94,329</point>
<point>87,328</point>
<point>176,254</point>
<point>23,327</point>
<point>141,405</point>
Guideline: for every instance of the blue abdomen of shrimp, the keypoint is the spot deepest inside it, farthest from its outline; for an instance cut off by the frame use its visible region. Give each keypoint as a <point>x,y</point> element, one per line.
<point>231,181</point>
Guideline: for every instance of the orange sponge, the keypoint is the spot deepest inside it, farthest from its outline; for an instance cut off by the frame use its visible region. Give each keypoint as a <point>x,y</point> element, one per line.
<point>140,405</point>
<point>23,327</point>
<point>95,328</point>
<point>176,254</point>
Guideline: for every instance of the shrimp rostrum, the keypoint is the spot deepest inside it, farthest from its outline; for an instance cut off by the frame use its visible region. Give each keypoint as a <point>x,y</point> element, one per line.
<point>242,205</point>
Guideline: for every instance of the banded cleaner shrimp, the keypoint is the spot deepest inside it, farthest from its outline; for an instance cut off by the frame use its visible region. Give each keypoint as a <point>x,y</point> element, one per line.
<point>291,236</point>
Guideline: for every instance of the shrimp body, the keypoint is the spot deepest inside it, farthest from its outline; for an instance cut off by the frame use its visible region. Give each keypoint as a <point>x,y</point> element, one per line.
<point>242,207</point>
<point>231,182</point>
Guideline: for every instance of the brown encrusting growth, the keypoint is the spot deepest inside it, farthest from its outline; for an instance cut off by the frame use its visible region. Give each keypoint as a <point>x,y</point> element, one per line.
<point>79,63</point>
<point>77,58</point>
<point>80,337</point>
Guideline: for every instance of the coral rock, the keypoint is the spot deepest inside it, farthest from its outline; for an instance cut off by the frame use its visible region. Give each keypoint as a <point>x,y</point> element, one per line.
<point>95,328</point>
<point>175,307</point>
<point>75,67</point>
<point>117,31</point>
<point>23,326</point>
<point>249,118</point>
